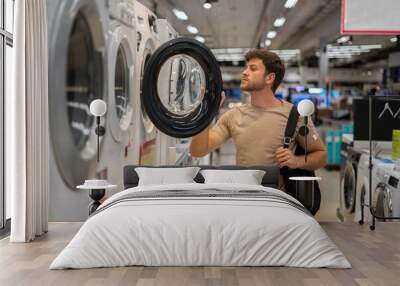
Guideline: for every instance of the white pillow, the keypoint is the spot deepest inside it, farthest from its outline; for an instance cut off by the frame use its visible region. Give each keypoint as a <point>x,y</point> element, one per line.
<point>248,177</point>
<point>161,176</point>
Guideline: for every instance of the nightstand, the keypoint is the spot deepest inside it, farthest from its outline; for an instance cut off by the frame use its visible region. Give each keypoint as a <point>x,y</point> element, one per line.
<point>96,193</point>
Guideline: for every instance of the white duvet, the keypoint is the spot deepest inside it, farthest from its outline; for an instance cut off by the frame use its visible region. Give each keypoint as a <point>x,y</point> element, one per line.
<point>200,231</point>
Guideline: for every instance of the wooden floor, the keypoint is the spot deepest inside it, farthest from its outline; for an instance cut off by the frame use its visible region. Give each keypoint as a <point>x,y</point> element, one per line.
<point>375,257</point>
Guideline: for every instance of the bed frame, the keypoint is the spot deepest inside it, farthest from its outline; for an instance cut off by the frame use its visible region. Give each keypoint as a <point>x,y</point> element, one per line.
<point>270,179</point>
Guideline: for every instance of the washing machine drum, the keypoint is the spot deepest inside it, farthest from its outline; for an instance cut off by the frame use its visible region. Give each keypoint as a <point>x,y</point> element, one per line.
<point>182,87</point>
<point>349,187</point>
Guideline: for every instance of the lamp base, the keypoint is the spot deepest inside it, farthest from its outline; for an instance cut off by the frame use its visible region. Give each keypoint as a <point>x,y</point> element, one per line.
<point>96,195</point>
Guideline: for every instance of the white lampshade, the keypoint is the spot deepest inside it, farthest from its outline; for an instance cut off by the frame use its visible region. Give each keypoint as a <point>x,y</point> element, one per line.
<point>305,107</point>
<point>98,107</point>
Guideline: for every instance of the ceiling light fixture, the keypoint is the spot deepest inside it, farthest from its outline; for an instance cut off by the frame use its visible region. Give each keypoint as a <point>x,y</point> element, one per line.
<point>192,29</point>
<point>180,14</point>
<point>268,43</point>
<point>207,4</point>
<point>343,39</point>
<point>271,34</point>
<point>290,3</point>
<point>200,39</point>
<point>393,40</point>
<point>279,22</point>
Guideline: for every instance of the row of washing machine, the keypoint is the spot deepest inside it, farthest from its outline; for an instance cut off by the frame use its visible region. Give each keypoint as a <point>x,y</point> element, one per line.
<point>354,181</point>
<point>99,49</point>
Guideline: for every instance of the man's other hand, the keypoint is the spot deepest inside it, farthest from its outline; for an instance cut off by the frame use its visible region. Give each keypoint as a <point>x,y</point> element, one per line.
<point>222,99</point>
<point>285,157</point>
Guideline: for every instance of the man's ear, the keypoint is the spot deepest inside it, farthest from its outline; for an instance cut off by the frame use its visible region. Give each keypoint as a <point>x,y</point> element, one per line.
<point>270,78</point>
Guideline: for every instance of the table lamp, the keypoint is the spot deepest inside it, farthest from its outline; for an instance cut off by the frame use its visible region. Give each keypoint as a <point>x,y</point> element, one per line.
<point>98,108</point>
<point>305,108</point>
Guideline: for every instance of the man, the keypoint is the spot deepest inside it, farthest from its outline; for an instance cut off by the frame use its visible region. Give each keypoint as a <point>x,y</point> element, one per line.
<point>258,128</point>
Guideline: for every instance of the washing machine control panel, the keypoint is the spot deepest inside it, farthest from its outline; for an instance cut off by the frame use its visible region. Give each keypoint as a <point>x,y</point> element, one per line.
<point>123,11</point>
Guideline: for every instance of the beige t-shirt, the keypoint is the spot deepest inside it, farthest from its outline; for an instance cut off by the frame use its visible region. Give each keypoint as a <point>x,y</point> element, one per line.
<point>258,132</point>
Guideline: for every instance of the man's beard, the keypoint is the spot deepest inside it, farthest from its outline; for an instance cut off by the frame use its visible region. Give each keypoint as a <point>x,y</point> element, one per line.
<point>253,86</point>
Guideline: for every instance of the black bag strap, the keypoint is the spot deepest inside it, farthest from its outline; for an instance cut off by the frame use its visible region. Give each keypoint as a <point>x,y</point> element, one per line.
<point>290,127</point>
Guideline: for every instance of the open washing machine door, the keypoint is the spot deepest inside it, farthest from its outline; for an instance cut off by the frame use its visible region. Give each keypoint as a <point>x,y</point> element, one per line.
<point>182,85</point>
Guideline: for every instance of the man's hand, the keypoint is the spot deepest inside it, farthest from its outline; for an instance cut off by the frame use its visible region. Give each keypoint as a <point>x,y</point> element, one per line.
<point>222,99</point>
<point>285,157</point>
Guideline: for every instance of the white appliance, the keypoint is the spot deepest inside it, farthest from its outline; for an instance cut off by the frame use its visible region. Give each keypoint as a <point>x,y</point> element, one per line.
<point>379,169</point>
<point>165,143</point>
<point>77,68</point>
<point>145,139</point>
<point>350,157</point>
<point>117,146</point>
<point>387,193</point>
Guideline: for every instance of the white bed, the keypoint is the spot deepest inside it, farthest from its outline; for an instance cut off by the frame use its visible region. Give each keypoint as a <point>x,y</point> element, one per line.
<point>267,229</point>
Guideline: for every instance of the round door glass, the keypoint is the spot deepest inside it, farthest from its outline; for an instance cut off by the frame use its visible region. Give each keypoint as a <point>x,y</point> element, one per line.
<point>81,81</point>
<point>181,84</point>
<point>121,86</point>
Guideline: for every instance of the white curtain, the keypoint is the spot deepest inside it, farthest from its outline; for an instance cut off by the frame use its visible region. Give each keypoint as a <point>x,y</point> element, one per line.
<point>27,142</point>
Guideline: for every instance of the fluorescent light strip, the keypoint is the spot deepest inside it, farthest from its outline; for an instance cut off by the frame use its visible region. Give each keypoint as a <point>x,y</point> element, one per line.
<point>230,50</point>
<point>343,39</point>
<point>279,22</point>
<point>192,29</point>
<point>200,39</point>
<point>288,52</point>
<point>271,34</point>
<point>290,3</point>
<point>180,14</point>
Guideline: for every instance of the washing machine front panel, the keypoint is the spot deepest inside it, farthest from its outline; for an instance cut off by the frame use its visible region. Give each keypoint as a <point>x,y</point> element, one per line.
<point>147,41</point>
<point>166,145</point>
<point>165,30</point>
<point>393,184</point>
<point>123,11</point>
<point>76,77</point>
<point>147,52</point>
<point>122,84</point>
<point>192,100</point>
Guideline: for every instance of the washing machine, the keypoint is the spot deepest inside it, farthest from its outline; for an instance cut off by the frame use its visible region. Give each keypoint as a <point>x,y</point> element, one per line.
<point>390,199</point>
<point>117,151</point>
<point>166,144</point>
<point>381,166</point>
<point>77,36</point>
<point>348,180</point>
<point>145,143</point>
<point>386,198</point>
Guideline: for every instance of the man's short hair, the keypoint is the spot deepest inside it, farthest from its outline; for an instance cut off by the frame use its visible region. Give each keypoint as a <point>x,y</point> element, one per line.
<point>272,63</point>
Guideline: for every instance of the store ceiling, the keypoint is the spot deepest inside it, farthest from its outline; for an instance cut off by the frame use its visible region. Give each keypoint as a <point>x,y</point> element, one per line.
<point>241,24</point>
<point>245,23</point>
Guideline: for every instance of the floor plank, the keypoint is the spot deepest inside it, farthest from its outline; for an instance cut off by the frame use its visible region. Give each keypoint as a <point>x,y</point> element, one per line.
<point>375,257</point>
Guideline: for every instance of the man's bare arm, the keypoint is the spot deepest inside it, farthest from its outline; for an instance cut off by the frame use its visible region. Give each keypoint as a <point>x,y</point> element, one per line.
<point>317,156</point>
<point>205,142</point>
